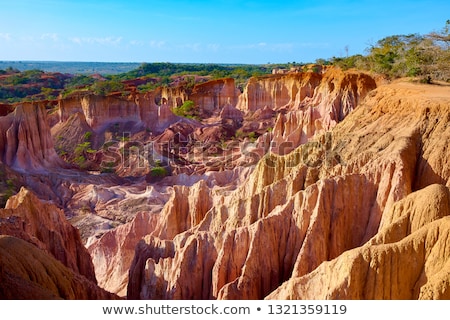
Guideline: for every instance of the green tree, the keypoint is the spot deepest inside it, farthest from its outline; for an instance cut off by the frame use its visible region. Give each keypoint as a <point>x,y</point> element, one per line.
<point>399,55</point>
<point>82,152</point>
<point>443,36</point>
<point>187,110</point>
<point>158,172</point>
<point>106,87</point>
<point>439,54</point>
<point>79,81</point>
<point>48,93</point>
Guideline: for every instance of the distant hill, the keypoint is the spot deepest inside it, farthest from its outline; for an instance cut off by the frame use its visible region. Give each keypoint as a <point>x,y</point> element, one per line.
<point>71,67</point>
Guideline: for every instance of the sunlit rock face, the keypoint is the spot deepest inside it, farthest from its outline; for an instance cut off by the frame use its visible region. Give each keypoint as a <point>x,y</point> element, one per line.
<point>25,140</point>
<point>337,218</point>
<point>44,225</point>
<point>307,185</point>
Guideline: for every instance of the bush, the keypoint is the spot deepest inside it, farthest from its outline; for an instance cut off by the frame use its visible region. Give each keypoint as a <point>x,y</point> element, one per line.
<point>158,172</point>
<point>79,81</point>
<point>87,135</point>
<point>252,136</point>
<point>83,148</point>
<point>412,55</point>
<point>187,110</point>
<point>81,153</point>
<point>80,161</point>
<point>108,167</point>
<point>104,88</point>
<point>239,134</point>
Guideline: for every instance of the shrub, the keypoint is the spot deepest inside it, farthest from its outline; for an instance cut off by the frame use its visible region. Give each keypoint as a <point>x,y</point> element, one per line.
<point>252,136</point>
<point>83,147</point>
<point>187,110</point>
<point>158,172</point>
<point>108,167</point>
<point>103,88</point>
<point>81,152</point>
<point>80,161</point>
<point>87,135</point>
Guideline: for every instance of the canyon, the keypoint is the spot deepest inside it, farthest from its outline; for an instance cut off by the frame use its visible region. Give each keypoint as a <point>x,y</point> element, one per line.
<point>306,185</point>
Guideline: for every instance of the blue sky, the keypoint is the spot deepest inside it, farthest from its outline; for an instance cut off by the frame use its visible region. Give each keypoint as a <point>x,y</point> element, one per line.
<point>232,31</point>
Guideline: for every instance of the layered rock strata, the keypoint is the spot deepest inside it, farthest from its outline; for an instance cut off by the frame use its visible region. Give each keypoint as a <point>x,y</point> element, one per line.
<point>336,211</point>
<point>27,273</point>
<point>41,254</point>
<point>45,226</point>
<point>26,143</point>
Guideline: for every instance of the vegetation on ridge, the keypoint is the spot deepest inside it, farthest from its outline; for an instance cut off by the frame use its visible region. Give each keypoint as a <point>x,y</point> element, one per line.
<point>187,110</point>
<point>413,55</point>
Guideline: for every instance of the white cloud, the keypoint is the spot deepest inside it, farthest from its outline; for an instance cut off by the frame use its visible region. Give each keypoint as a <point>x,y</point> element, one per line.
<point>108,41</point>
<point>5,36</point>
<point>76,40</point>
<point>195,47</point>
<point>137,43</point>
<point>50,36</point>
<point>157,44</point>
<point>265,46</point>
<point>213,47</point>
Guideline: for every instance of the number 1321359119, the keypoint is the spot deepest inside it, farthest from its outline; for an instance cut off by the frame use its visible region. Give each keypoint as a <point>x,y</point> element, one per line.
<point>331,309</point>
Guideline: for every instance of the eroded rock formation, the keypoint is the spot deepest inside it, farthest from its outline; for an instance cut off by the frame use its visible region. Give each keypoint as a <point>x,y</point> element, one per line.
<point>213,95</point>
<point>41,254</point>
<point>99,112</point>
<point>305,186</point>
<point>30,273</point>
<point>407,259</point>
<point>335,211</point>
<point>315,107</point>
<point>25,140</point>
<point>113,252</point>
<point>45,226</point>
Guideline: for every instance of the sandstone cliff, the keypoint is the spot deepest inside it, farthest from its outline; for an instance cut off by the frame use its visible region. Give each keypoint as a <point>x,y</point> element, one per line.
<point>341,90</point>
<point>29,273</point>
<point>213,95</point>
<point>337,210</point>
<point>314,105</point>
<point>407,259</point>
<point>45,226</point>
<point>25,140</point>
<point>99,112</point>
<point>278,91</point>
<point>151,109</point>
<point>113,253</point>
<point>41,254</point>
<point>307,185</point>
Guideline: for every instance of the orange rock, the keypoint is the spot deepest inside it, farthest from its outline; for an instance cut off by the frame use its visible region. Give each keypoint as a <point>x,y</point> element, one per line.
<point>113,253</point>
<point>408,259</point>
<point>335,218</point>
<point>99,112</point>
<point>25,140</point>
<point>29,273</point>
<point>336,95</point>
<point>44,225</point>
<point>213,95</point>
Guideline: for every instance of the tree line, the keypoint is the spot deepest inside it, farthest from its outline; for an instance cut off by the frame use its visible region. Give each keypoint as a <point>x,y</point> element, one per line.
<point>413,55</point>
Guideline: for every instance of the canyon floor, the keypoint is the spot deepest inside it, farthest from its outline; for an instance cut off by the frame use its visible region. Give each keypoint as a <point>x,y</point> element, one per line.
<point>304,185</point>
